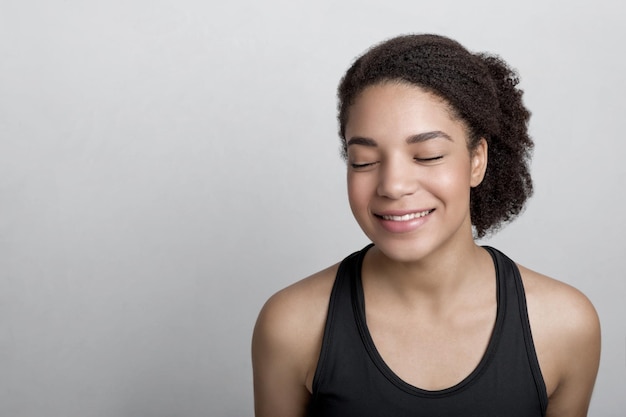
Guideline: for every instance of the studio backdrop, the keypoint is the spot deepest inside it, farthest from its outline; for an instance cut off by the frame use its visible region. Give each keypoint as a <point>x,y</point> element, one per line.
<point>166,166</point>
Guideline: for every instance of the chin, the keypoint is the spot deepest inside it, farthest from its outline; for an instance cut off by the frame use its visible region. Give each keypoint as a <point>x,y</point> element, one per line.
<point>404,251</point>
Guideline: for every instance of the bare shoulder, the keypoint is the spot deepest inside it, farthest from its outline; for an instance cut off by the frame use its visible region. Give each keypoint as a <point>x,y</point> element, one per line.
<point>286,344</point>
<point>564,309</point>
<point>566,333</point>
<point>555,301</point>
<point>292,312</point>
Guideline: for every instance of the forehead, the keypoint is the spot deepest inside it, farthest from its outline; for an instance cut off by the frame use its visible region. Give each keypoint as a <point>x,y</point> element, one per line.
<point>400,108</point>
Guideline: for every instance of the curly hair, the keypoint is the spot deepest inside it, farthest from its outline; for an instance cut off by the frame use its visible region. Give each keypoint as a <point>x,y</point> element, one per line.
<point>481,90</point>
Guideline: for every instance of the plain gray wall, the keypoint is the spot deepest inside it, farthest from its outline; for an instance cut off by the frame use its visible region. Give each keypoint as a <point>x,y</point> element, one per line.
<point>165,166</point>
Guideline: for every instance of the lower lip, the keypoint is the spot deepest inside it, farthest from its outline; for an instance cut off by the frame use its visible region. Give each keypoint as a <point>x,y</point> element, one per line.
<point>403,226</point>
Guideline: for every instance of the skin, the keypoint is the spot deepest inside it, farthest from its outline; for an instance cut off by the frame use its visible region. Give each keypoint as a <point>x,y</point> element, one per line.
<point>427,285</point>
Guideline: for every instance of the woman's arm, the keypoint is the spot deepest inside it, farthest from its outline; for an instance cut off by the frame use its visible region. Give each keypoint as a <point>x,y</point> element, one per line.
<point>566,332</point>
<point>279,388</point>
<point>286,344</point>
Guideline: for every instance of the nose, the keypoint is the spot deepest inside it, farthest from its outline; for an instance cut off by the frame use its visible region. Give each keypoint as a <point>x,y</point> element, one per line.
<point>396,179</point>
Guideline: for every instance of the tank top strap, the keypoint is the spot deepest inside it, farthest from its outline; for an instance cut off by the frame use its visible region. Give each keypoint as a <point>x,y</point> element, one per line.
<point>339,308</point>
<point>510,280</point>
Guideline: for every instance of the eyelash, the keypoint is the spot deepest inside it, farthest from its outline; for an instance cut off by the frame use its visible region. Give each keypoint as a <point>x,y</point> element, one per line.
<point>369,164</point>
<point>434,158</point>
<point>357,166</point>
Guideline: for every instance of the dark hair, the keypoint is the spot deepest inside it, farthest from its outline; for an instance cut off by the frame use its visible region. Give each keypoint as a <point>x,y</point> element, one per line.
<point>481,90</point>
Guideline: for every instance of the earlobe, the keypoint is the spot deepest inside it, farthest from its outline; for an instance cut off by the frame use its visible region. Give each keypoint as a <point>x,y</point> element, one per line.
<point>479,162</point>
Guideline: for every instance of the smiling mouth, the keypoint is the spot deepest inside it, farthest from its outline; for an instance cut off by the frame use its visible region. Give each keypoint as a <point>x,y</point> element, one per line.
<point>406,217</point>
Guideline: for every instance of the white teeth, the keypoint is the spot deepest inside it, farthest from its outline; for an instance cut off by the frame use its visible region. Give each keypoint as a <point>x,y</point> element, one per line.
<point>406,217</point>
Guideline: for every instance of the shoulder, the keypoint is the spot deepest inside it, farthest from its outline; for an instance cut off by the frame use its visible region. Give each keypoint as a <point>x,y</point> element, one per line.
<point>552,298</point>
<point>566,334</point>
<point>565,310</point>
<point>294,310</point>
<point>286,344</point>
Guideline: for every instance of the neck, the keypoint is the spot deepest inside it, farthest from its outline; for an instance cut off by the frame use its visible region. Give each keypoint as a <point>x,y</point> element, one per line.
<point>448,272</point>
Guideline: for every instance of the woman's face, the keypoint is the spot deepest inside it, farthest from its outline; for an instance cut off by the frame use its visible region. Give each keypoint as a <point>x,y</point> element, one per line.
<point>410,171</point>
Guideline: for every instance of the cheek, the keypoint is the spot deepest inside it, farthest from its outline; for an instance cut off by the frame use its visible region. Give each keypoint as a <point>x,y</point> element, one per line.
<point>359,192</point>
<point>453,178</point>
<point>455,182</point>
<point>355,190</point>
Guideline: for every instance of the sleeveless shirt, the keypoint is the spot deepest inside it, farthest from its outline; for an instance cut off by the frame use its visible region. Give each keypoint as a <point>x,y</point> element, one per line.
<point>352,380</point>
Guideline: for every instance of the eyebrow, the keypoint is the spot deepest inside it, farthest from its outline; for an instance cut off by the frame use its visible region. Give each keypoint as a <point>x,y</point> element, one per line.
<point>420,137</point>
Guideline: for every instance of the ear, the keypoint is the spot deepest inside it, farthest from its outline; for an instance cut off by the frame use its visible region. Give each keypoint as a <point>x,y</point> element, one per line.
<point>479,163</point>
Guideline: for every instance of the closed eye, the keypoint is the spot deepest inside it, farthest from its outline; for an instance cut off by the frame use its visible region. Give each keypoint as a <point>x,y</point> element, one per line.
<point>362,166</point>
<point>431,159</point>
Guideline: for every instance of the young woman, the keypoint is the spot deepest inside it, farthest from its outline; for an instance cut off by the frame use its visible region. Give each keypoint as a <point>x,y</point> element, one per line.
<point>424,322</point>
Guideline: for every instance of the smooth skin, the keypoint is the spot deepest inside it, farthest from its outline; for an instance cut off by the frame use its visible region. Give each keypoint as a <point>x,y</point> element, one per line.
<point>429,289</point>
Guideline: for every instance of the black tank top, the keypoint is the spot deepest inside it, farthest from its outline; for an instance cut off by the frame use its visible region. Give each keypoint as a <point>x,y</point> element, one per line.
<point>352,380</point>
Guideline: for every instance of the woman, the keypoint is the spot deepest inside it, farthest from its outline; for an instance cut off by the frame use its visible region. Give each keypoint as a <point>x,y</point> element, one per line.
<point>424,322</point>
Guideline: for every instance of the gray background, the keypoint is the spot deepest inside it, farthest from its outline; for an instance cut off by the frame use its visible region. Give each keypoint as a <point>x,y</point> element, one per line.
<point>165,166</point>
